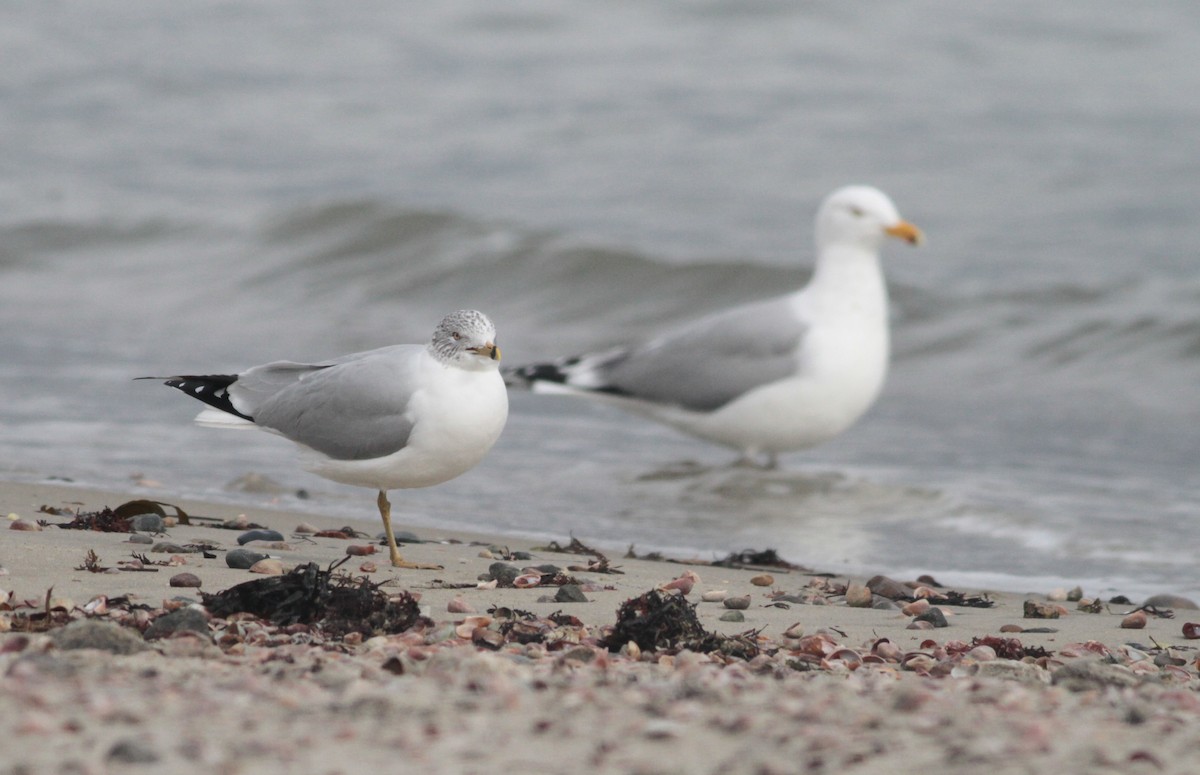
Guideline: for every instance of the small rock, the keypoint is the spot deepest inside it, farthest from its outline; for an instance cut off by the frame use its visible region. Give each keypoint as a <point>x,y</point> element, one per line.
<point>459,606</point>
<point>406,537</point>
<point>360,550</point>
<point>131,752</point>
<point>25,524</point>
<point>1170,601</point>
<point>570,593</point>
<point>522,556</point>
<point>259,535</point>
<point>190,619</point>
<point>714,596</point>
<point>739,603</point>
<point>1036,610</point>
<point>934,616</point>
<point>487,554</point>
<point>1135,621</point>
<point>305,528</point>
<point>916,607</point>
<point>733,616</point>
<point>889,588</point>
<point>1057,595</point>
<point>166,547</point>
<point>243,559</point>
<point>147,523</point>
<point>268,567</point>
<point>94,634</point>
<point>1075,595</point>
<point>858,596</point>
<point>763,580</point>
<point>135,538</point>
<point>185,580</point>
<point>503,573</point>
<point>919,624</point>
<point>1011,628</point>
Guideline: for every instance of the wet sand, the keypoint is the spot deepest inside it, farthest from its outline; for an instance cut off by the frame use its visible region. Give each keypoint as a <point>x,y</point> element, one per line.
<point>826,686</point>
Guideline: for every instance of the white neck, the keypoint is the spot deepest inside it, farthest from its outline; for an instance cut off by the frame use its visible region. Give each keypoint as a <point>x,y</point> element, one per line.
<point>849,276</point>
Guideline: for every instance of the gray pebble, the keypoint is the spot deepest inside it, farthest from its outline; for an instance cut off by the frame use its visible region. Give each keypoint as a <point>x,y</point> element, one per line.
<point>503,572</point>
<point>406,537</point>
<point>146,523</point>
<point>547,568</point>
<point>140,539</point>
<point>889,588</point>
<point>733,616</point>
<point>105,636</point>
<point>934,616</point>
<point>132,752</point>
<point>169,548</point>
<point>243,558</point>
<point>739,603</point>
<point>183,620</point>
<point>259,535</point>
<point>570,593</point>
<point>522,556</point>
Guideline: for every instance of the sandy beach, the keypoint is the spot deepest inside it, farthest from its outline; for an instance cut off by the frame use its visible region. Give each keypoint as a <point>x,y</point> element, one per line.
<point>108,666</point>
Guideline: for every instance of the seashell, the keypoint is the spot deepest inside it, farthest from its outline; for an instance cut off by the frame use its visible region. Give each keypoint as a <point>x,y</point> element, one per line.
<point>714,596</point>
<point>683,583</point>
<point>632,650</point>
<point>97,606</point>
<point>368,567</point>
<point>920,624</point>
<point>918,606</point>
<point>490,584</point>
<point>268,567</point>
<point>795,632</point>
<point>1057,595</point>
<point>858,595</point>
<point>24,524</point>
<point>527,580</point>
<point>887,650</point>
<point>459,606</point>
<point>305,527</point>
<point>982,654</point>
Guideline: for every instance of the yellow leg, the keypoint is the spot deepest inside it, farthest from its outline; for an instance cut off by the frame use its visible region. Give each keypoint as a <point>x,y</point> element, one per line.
<point>385,512</point>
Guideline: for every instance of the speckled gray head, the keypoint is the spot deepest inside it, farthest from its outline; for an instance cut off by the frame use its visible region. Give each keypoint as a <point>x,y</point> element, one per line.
<point>466,338</point>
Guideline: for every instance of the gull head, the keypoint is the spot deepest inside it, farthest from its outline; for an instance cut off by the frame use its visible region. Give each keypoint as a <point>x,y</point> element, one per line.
<point>466,338</point>
<point>862,216</point>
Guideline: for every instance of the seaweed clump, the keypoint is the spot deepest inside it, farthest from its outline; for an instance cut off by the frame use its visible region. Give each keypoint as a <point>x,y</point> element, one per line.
<point>661,620</point>
<point>336,602</point>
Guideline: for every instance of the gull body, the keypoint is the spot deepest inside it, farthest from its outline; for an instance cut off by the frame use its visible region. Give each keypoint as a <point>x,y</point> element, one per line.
<point>393,418</point>
<point>768,377</point>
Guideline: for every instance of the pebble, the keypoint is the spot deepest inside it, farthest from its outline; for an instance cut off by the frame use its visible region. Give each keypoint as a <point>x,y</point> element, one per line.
<point>360,550</point>
<point>185,580</point>
<point>131,752</point>
<point>522,556</point>
<point>503,573</point>
<point>305,527</point>
<point>858,596</point>
<point>134,538</point>
<point>1057,595</point>
<point>406,537</point>
<point>94,634</point>
<point>268,567</point>
<point>188,619</point>
<point>1011,628</point>
<point>24,524</point>
<point>570,593</point>
<point>733,616</point>
<point>739,603</point>
<point>763,580</point>
<point>889,588</point>
<point>259,535</point>
<point>166,547</point>
<point>934,616</point>
<point>459,606</point>
<point>147,523</point>
<point>243,559</point>
<point>1135,621</point>
<point>714,596</point>
<point>916,607</point>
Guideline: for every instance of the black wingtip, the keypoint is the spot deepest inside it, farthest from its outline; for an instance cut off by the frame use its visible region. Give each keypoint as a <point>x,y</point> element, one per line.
<point>212,389</point>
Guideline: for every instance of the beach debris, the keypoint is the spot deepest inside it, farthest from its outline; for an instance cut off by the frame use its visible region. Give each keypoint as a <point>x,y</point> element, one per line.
<point>750,558</point>
<point>598,564</point>
<point>658,620</point>
<point>91,563</point>
<point>1035,610</point>
<point>121,519</point>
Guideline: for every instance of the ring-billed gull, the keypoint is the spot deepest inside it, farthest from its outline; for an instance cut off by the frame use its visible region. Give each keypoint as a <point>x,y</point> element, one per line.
<point>397,417</point>
<point>767,377</point>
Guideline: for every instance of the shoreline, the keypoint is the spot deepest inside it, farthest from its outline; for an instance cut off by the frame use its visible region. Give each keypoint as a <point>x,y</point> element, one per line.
<point>897,697</point>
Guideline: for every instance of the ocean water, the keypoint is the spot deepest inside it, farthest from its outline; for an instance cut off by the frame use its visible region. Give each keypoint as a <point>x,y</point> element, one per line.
<point>206,186</point>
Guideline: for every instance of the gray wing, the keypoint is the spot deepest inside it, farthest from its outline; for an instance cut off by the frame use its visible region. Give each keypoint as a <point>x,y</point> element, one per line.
<point>711,362</point>
<point>351,408</point>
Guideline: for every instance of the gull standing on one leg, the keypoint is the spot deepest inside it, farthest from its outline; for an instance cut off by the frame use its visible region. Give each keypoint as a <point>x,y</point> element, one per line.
<point>393,418</point>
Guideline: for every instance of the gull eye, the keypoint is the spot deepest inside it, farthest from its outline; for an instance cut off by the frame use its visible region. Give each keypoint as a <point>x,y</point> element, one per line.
<point>857,212</point>
<point>456,336</point>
